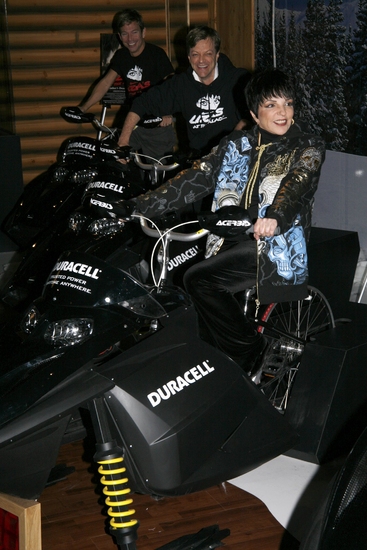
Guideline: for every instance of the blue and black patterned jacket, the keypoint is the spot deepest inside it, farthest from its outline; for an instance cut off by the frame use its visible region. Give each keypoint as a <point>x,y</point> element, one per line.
<point>288,176</point>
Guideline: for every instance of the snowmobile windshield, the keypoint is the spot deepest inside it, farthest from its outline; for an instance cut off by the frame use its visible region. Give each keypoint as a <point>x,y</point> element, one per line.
<point>79,279</point>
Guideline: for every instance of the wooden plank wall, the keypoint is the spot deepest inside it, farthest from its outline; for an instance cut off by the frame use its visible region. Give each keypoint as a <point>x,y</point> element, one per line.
<point>55,56</point>
<point>235,22</point>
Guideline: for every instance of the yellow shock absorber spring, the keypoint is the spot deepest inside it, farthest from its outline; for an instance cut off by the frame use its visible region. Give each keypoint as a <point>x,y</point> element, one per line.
<point>114,481</point>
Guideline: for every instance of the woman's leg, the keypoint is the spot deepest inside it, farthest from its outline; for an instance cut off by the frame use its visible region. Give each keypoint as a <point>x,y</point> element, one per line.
<point>212,285</point>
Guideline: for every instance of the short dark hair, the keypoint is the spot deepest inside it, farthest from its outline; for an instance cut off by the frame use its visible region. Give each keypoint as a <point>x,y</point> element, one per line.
<point>202,33</point>
<point>266,84</point>
<point>125,17</point>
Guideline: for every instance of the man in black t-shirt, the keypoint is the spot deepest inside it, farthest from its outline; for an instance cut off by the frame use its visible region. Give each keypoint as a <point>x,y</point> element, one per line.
<point>140,65</point>
<point>209,95</point>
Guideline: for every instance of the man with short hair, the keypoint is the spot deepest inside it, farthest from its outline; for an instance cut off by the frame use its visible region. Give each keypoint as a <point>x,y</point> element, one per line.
<point>141,66</point>
<point>209,94</point>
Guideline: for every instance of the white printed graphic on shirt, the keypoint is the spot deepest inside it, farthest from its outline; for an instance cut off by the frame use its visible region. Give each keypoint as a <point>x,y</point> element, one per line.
<point>135,74</point>
<point>211,111</point>
<point>208,102</point>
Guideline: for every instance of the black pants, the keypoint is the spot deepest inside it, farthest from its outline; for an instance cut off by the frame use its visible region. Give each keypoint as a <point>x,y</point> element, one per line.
<point>212,285</point>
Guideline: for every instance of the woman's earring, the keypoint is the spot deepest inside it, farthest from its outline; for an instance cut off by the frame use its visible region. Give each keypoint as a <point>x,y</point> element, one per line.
<point>292,121</point>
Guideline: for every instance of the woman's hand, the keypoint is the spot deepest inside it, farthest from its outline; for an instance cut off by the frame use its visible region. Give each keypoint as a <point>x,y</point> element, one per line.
<point>264,227</point>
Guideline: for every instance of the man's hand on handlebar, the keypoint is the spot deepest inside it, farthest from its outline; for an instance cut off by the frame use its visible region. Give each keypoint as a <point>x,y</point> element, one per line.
<point>123,153</point>
<point>265,227</point>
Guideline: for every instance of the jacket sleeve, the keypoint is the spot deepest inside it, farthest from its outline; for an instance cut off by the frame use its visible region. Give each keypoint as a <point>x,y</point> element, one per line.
<point>298,187</point>
<point>186,188</point>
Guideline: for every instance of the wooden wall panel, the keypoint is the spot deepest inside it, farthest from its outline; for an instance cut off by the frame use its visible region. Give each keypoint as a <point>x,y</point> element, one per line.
<point>235,22</point>
<point>55,57</point>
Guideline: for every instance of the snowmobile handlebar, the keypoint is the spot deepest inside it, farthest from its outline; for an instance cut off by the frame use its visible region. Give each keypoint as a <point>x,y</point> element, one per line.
<point>154,164</point>
<point>171,234</point>
<point>228,222</point>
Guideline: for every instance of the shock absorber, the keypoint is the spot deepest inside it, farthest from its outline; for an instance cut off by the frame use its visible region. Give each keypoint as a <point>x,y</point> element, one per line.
<point>123,526</point>
<point>109,456</point>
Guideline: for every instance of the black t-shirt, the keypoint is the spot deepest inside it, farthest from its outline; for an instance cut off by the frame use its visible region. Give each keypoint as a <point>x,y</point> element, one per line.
<point>210,111</point>
<point>143,71</point>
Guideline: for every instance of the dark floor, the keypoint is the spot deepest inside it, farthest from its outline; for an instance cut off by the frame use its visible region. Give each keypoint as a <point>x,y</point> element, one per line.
<point>73,516</point>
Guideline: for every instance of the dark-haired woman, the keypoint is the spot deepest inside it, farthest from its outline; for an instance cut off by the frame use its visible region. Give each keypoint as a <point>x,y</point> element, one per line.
<point>273,171</point>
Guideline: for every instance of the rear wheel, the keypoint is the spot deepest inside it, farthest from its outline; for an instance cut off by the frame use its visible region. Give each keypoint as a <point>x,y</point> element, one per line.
<point>289,326</point>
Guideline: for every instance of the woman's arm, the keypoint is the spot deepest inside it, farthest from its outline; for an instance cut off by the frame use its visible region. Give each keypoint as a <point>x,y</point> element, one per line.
<point>298,187</point>
<point>186,188</point>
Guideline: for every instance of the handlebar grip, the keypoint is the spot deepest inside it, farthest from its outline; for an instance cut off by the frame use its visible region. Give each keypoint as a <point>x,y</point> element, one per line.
<point>172,235</point>
<point>276,232</point>
<point>76,115</point>
<point>123,152</point>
